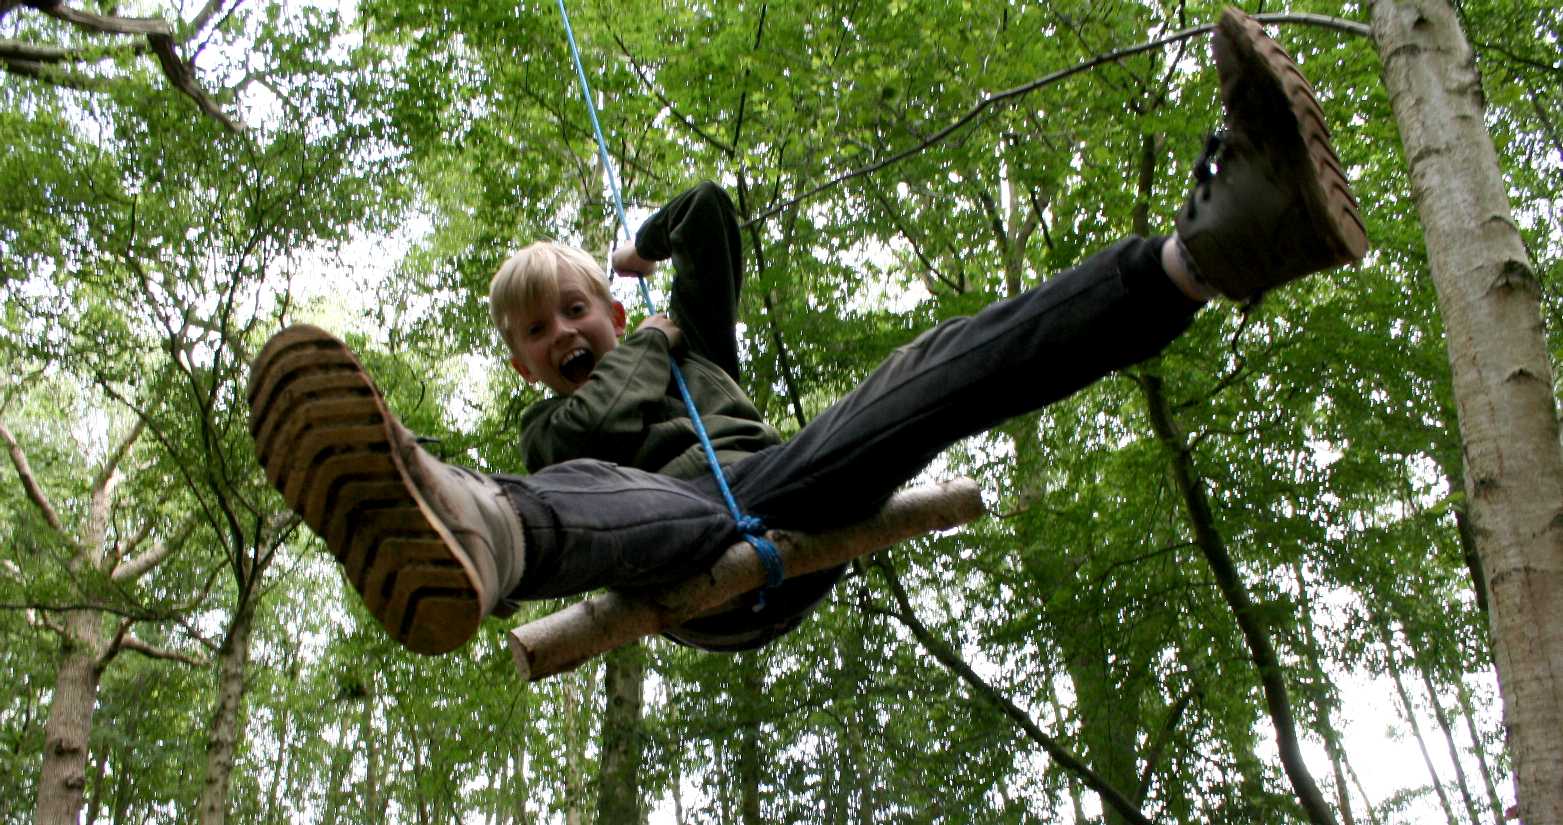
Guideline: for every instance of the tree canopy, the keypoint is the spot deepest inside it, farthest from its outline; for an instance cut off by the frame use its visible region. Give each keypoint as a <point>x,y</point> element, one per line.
<point>1194,570</point>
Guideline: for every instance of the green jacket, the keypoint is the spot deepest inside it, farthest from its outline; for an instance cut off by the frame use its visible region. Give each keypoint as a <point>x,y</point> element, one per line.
<point>629,412</point>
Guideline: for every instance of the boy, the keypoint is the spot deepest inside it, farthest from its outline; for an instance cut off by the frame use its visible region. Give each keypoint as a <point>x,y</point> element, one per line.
<point>433,548</point>
<point>616,400</point>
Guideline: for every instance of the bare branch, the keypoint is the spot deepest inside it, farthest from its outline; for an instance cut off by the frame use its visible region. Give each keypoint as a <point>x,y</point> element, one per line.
<point>29,481</point>
<point>115,645</point>
<point>153,652</point>
<point>947,656</point>
<point>102,496</point>
<point>102,24</point>
<point>183,79</point>
<point>138,566</point>
<point>38,618</point>
<point>203,17</point>
<point>17,50</point>
<point>931,273</point>
<point>1337,24</point>
<point>671,107</point>
<point>49,73</point>
<point>159,38</point>
<point>111,464</point>
<point>127,547</point>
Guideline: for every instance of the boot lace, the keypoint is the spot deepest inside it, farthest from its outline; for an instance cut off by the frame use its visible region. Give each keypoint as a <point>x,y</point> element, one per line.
<point>1210,159</point>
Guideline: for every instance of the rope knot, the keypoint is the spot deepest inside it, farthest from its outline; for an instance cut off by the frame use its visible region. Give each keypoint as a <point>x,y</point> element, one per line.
<point>753,531</point>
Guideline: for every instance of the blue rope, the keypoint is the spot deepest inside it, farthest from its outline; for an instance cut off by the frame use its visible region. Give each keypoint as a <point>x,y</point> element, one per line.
<point>751,528</point>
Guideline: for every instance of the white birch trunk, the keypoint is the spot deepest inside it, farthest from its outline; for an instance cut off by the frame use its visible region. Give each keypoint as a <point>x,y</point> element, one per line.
<point>1503,386</point>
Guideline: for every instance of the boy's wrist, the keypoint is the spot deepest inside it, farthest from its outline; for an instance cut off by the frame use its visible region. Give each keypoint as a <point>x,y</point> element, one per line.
<point>627,260</point>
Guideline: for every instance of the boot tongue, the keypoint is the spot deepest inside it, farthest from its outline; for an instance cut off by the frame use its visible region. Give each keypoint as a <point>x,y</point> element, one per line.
<point>576,368</point>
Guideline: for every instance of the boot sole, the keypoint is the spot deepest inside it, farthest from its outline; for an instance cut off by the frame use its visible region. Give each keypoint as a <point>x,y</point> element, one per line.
<point>325,439</point>
<point>1327,192</point>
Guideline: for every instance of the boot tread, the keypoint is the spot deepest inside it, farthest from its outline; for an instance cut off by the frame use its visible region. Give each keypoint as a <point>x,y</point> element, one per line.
<point>323,437</point>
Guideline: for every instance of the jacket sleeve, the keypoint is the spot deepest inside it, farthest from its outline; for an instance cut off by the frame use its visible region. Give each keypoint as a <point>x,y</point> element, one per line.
<point>607,418</point>
<point>699,231</point>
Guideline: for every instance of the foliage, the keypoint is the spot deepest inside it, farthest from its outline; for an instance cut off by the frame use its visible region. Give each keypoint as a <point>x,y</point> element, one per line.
<point>147,251</point>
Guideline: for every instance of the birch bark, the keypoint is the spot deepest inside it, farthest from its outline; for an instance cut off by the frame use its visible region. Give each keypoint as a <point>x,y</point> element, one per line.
<point>1489,298</point>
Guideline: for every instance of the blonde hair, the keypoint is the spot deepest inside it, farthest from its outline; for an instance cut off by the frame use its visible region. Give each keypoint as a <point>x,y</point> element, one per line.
<point>531,277</point>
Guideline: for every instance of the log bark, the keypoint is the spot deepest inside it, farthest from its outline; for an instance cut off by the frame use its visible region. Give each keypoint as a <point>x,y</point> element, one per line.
<point>568,638</point>
<point>1489,298</point>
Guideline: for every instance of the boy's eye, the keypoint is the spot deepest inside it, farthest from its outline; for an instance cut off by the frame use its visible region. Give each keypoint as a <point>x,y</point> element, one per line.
<point>534,329</point>
<point>576,310</point>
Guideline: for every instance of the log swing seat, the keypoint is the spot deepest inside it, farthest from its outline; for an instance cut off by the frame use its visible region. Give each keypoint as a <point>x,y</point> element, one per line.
<point>564,640</point>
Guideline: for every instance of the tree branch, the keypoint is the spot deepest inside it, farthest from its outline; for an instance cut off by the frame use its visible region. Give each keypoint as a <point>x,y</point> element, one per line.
<point>202,17</point>
<point>183,79</point>
<point>931,272</point>
<point>99,23</point>
<point>111,464</point>
<point>952,661</point>
<point>17,50</point>
<point>159,38</point>
<point>1009,95</point>
<point>672,108</point>
<point>1262,653</point>
<point>153,652</point>
<point>138,566</point>
<point>29,481</point>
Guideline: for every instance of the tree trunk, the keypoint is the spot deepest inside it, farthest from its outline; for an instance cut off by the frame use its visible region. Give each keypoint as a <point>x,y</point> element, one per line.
<point>1416,727</point>
<point>618,789</point>
<point>1489,298</point>
<point>1324,704</point>
<point>1442,718</point>
<point>62,784</point>
<point>752,683</point>
<point>1367,802</point>
<point>1494,804</point>
<point>1109,726</point>
<point>574,753</point>
<point>232,662</point>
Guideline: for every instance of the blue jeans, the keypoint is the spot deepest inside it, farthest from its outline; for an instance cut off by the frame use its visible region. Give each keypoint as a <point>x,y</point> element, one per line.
<point>590,524</point>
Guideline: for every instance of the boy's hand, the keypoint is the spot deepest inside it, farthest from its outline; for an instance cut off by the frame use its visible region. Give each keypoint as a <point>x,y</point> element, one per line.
<point>626,260</point>
<point>662,323</point>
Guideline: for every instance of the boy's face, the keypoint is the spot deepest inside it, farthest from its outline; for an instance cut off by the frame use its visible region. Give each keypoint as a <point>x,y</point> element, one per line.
<point>560,345</point>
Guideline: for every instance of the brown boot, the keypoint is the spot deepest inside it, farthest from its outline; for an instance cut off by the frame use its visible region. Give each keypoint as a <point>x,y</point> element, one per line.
<point>431,547</point>
<point>1277,205</point>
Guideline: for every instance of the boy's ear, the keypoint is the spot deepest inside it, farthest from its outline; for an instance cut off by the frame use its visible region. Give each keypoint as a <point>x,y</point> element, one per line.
<point>620,318</point>
<point>519,367</point>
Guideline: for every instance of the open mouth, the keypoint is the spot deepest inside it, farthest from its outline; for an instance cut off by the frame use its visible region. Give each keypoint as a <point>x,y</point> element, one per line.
<point>577,365</point>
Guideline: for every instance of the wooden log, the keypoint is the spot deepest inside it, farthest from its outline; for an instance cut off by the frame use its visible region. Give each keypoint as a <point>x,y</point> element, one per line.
<point>566,639</point>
